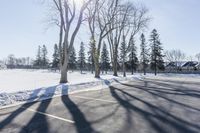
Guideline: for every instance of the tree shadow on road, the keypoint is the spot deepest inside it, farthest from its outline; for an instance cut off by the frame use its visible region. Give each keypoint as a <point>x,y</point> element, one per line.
<point>81,123</point>
<point>158,119</point>
<point>38,122</point>
<point>160,92</point>
<point>17,112</point>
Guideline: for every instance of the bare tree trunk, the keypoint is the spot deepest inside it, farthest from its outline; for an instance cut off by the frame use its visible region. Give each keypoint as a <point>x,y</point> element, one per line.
<point>97,71</point>
<point>97,68</point>
<point>115,67</point>
<point>64,66</point>
<point>144,68</point>
<point>155,68</point>
<point>132,63</point>
<point>115,63</point>
<point>124,69</point>
<point>63,78</point>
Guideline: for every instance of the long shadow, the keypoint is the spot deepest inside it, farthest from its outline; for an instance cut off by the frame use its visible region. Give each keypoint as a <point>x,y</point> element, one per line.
<point>156,89</point>
<point>177,81</point>
<point>38,123</point>
<point>183,91</point>
<point>17,112</point>
<point>81,123</point>
<point>155,116</point>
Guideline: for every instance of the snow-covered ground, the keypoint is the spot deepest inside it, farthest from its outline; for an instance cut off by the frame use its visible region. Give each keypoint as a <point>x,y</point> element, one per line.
<point>29,85</point>
<point>18,86</point>
<point>20,80</point>
<point>177,77</point>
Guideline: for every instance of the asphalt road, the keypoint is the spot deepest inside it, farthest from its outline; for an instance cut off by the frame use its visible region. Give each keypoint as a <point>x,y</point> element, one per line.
<point>134,107</point>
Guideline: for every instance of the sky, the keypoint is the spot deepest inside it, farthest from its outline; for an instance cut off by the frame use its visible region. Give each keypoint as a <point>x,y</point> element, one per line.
<point>23,26</point>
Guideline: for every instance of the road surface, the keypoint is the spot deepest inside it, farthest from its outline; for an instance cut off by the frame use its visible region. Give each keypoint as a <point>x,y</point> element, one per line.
<point>149,106</point>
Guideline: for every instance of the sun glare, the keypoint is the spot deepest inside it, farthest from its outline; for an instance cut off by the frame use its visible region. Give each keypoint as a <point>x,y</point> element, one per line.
<point>79,2</point>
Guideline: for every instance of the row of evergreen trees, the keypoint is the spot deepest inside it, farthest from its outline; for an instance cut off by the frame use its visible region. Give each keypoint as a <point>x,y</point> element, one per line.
<point>81,62</point>
<point>151,56</point>
<point>41,57</point>
<point>155,56</point>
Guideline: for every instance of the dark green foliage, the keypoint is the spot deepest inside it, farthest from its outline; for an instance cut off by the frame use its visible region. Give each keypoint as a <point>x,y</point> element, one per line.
<point>123,55</point>
<point>38,61</point>
<point>157,62</point>
<point>90,57</point>
<point>144,54</point>
<point>56,57</point>
<point>123,52</point>
<point>105,61</point>
<point>41,57</point>
<point>81,58</point>
<point>44,58</point>
<point>72,59</point>
<point>133,60</point>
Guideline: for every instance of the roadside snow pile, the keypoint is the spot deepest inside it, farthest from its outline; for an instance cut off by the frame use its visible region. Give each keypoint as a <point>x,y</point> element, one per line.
<point>80,82</point>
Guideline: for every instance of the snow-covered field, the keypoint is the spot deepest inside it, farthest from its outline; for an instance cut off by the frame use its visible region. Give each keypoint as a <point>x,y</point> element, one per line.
<point>20,80</point>
<point>17,86</point>
<point>29,85</point>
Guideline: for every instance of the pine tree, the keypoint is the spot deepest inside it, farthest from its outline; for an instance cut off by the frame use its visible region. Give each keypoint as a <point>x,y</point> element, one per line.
<point>44,56</point>
<point>38,61</point>
<point>72,59</point>
<point>105,62</point>
<point>156,52</point>
<point>144,53</point>
<point>56,57</point>
<point>123,55</point>
<point>81,58</point>
<point>90,58</point>
<point>133,55</point>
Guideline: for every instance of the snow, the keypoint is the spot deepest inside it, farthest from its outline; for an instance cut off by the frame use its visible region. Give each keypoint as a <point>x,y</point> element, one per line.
<point>174,76</point>
<point>19,85</point>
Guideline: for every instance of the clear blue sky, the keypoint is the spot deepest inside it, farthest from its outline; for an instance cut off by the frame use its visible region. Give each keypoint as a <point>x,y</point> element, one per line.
<point>22,26</point>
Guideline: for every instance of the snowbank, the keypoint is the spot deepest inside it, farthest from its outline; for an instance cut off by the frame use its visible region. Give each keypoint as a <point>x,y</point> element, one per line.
<point>21,85</point>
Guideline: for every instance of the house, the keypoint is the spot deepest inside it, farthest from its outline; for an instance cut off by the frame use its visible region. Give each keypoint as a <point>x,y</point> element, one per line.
<point>190,65</point>
<point>175,65</point>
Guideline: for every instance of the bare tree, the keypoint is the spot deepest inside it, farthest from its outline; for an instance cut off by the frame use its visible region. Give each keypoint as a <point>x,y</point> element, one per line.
<point>169,55</point>
<point>175,56</point>
<point>68,15</point>
<point>198,58</point>
<point>100,14</point>
<point>130,20</point>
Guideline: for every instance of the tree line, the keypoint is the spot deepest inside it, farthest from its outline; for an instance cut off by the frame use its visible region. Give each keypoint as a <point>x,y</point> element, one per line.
<point>115,22</point>
<point>111,21</point>
<point>113,27</point>
<point>151,56</point>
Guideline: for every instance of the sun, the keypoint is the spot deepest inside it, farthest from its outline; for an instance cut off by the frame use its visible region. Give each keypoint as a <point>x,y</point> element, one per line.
<point>79,2</point>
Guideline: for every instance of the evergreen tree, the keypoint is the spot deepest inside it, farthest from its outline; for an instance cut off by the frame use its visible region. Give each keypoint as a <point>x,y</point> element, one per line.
<point>72,59</point>
<point>133,55</point>
<point>105,62</point>
<point>56,59</point>
<point>156,52</point>
<point>123,55</point>
<point>44,56</point>
<point>144,53</point>
<point>81,58</point>
<point>38,61</point>
<point>90,58</point>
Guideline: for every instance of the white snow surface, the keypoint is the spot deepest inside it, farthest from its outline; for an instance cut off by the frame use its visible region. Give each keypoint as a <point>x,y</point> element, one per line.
<point>20,85</point>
